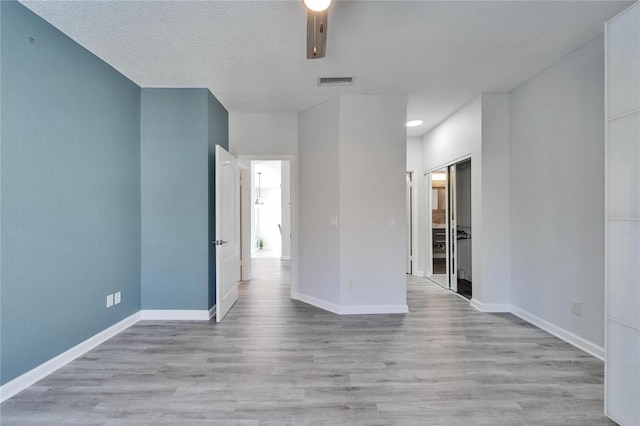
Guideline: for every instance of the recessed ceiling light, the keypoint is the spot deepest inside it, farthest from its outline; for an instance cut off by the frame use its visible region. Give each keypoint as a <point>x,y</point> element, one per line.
<point>414,123</point>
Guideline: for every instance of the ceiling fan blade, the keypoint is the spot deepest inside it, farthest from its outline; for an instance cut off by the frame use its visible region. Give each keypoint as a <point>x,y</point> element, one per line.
<point>316,34</point>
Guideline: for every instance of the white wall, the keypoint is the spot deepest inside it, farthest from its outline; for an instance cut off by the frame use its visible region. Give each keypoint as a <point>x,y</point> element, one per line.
<point>263,134</point>
<point>458,136</point>
<point>622,368</point>
<point>286,210</point>
<point>480,131</point>
<point>272,136</point>
<point>495,231</point>
<point>372,193</point>
<point>352,157</point>
<point>414,164</point>
<point>557,191</point>
<point>319,199</point>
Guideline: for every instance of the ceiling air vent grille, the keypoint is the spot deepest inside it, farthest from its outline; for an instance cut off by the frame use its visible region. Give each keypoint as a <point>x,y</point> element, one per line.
<point>335,81</point>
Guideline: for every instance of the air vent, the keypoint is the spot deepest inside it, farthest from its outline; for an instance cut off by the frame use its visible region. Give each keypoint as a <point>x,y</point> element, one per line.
<point>335,81</point>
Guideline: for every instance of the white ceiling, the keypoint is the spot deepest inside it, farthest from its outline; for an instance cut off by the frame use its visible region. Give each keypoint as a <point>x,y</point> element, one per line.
<point>251,54</point>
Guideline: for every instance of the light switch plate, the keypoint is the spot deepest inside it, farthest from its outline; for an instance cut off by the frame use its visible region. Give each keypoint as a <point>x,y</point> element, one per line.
<point>109,300</point>
<point>116,298</point>
<point>576,307</point>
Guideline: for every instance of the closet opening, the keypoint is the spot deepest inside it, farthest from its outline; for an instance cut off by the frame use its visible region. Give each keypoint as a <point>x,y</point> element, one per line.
<point>449,224</point>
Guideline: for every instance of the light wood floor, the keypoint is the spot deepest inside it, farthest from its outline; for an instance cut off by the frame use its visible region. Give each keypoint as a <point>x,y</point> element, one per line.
<point>274,361</point>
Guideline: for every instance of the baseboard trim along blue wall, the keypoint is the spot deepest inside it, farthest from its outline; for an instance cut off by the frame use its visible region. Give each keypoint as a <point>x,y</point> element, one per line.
<point>175,315</point>
<point>38,373</point>
<point>31,377</point>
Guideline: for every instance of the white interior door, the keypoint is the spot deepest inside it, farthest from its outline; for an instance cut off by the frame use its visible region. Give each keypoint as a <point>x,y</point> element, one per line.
<point>227,208</point>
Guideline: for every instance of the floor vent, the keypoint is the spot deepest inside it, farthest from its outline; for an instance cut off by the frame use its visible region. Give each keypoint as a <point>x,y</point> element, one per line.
<point>335,81</point>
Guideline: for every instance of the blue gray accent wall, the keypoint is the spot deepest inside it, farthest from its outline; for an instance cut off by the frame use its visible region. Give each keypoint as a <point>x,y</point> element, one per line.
<point>70,188</point>
<point>177,128</point>
<point>218,135</point>
<point>174,177</point>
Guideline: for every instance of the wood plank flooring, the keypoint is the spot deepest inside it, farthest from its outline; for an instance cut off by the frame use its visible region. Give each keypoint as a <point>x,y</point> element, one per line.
<point>274,361</point>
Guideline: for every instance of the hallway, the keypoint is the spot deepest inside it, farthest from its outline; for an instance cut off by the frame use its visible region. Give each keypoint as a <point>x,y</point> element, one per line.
<point>274,361</point>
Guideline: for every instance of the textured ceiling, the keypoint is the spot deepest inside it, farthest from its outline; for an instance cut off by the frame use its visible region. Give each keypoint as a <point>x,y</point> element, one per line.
<point>251,54</point>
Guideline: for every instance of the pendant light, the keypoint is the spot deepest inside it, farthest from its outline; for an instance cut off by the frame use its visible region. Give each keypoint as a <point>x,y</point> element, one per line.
<point>259,201</point>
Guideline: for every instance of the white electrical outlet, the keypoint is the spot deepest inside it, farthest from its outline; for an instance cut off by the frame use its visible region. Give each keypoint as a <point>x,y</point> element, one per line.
<point>116,298</point>
<point>392,222</point>
<point>109,300</point>
<point>576,307</point>
<point>352,284</point>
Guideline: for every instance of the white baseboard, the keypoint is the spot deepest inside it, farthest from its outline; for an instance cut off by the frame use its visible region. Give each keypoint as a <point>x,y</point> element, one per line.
<point>419,274</point>
<point>352,309</point>
<point>285,257</point>
<point>490,307</point>
<point>373,309</point>
<point>561,333</point>
<point>475,304</point>
<point>174,315</point>
<point>318,303</point>
<point>27,379</point>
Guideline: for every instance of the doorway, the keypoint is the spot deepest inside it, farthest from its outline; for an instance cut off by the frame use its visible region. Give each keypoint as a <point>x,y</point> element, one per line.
<point>438,225</point>
<point>265,225</point>
<point>463,228</point>
<point>449,225</point>
<point>267,212</point>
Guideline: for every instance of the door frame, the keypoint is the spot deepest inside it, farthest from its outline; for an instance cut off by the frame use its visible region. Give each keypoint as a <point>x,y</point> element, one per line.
<point>452,213</point>
<point>412,213</point>
<point>427,192</point>
<point>244,191</point>
<point>246,215</point>
<point>447,215</point>
<point>428,262</point>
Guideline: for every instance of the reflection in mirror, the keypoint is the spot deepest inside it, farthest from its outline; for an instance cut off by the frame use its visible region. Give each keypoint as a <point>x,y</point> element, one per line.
<point>438,222</point>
